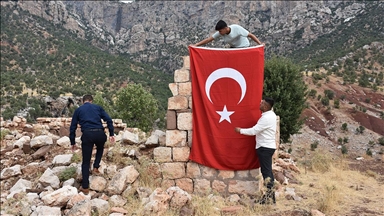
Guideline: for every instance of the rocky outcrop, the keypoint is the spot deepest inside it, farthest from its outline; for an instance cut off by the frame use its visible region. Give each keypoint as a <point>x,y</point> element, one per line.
<point>156,31</point>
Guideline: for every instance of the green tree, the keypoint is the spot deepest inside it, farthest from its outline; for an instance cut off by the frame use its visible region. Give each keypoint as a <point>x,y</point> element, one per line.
<point>344,127</point>
<point>107,105</point>
<point>137,107</point>
<point>283,81</point>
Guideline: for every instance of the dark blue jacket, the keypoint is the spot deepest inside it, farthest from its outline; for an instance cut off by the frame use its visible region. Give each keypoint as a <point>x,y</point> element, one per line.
<point>89,116</point>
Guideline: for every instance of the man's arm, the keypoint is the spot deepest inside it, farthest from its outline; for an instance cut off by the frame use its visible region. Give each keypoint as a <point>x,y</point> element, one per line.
<point>205,41</point>
<point>254,38</point>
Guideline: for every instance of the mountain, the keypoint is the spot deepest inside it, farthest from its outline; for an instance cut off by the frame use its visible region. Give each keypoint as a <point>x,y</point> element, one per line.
<point>80,46</point>
<point>42,60</point>
<point>158,32</point>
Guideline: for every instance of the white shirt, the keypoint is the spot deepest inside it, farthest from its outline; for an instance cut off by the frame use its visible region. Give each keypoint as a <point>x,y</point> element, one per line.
<point>265,130</point>
<point>237,38</point>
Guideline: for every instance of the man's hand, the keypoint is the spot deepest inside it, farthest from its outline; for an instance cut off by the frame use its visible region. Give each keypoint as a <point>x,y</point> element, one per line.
<point>112,139</point>
<point>237,129</point>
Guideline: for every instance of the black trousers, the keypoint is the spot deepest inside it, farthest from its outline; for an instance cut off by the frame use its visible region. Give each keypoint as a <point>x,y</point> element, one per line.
<point>88,139</point>
<point>265,159</point>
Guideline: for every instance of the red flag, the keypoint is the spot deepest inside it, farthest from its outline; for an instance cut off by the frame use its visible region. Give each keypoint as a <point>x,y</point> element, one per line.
<point>227,86</point>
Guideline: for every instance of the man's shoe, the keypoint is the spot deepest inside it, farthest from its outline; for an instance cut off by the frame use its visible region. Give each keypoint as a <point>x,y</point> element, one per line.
<point>96,171</point>
<point>268,198</point>
<point>84,190</point>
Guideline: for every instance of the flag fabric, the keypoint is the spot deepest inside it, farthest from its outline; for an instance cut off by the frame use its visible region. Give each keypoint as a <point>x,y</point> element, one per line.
<point>227,86</point>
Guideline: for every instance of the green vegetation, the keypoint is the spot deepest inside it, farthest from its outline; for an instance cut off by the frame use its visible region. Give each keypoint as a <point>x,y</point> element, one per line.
<point>344,126</point>
<point>346,38</point>
<point>68,173</point>
<point>3,133</point>
<point>284,83</point>
<point>137,107</point>
<point>314,145</point>
<point>44,59</point>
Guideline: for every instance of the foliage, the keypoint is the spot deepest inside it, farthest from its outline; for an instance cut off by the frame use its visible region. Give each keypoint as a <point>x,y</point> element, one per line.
<point>47,60</point>
<point>381,141</point>
<point>314,145</point>
<point>344,126</point>
<point>68,173</point>
<point>344,149</point>
<point>137,107</point>
<point>3,133</point>
<point>284,83</point>
<point>107,105</point>
<point>360,129</point>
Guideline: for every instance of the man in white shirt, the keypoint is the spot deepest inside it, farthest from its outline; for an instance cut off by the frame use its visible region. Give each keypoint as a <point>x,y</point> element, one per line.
<point>235,35</point>
<point>265,131</point>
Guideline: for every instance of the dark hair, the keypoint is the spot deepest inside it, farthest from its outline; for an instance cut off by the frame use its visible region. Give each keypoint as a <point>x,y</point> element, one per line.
<point>220,25</point>
<point>87,98</point>
<point>270,101</point>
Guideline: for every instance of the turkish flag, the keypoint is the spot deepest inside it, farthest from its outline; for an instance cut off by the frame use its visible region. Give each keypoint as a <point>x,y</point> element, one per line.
<point>227,86</point>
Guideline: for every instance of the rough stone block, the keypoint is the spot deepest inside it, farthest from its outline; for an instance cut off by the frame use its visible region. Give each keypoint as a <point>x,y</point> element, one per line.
<point>202,186</point>
<point>185,88</point>
<point>171,120</point>
<point>181,154</point>
<point>243,187</point>
<point>173,170</point>
<point>176,138</point>
<point>226,174</point>
<point>182,75</point>
<point>193,170</point>
<point>219,186</point>
<point>177,102</point>
<point>174,88</point>
<point>184,121</point>
<point>162,154</point>
<point>185,183</point>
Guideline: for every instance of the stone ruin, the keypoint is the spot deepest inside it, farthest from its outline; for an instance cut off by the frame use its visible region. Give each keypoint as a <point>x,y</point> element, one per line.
<point>170,151</point>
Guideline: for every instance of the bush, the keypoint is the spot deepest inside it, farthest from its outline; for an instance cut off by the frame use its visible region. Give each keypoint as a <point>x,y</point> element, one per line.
<point>368,152</point>
<point>381,141</point>
<point>314,145</point>
<point>137,107</point>
<point>3,133</point>
<point>68,173</point>
<point>344,149</point>
<point>325,101</point>
<point>344,127</point>
<point>283,81</point>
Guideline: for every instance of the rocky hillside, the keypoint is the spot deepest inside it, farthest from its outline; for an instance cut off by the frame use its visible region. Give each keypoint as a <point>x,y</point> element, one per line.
<point>158,32</point>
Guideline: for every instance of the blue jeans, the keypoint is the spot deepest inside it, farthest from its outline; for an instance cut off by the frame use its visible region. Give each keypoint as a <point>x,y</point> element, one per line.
<point>88,139</point>
<point>265,159</point>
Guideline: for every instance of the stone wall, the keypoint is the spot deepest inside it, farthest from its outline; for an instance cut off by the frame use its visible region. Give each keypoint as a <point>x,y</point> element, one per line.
<point>175,165</point>
<point>57,126</point>
<point>171,156</point>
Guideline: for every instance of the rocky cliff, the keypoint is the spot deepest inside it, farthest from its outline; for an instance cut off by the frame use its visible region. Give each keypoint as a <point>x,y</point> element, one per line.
<point>160,31</point>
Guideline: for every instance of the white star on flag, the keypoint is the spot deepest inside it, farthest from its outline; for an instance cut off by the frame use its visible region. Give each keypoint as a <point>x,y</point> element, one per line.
<point>224,115</point>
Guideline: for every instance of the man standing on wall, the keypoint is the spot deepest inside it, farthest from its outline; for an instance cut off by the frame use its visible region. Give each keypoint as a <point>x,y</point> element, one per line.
<point>89,117</point>
<point>235,35</point>
<point>265,131</point>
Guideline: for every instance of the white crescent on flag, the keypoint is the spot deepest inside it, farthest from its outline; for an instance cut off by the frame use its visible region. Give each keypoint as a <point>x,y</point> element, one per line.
<point>226,73</point>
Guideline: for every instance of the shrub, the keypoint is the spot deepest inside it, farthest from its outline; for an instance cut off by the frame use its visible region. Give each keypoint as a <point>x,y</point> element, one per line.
<point>368,152</point>
<point>68,173</point>
<point>3,133</point>
<point>314,145</point>
<point>344,149</point>
<point>381,141</point>
<point>344,127</point>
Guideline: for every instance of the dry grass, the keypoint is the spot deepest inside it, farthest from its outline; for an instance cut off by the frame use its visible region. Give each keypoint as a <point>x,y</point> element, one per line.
<point>328,186</point>
<point>337,190</point>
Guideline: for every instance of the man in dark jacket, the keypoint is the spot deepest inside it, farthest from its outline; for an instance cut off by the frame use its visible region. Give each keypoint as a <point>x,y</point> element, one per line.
<point>89,117</point>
